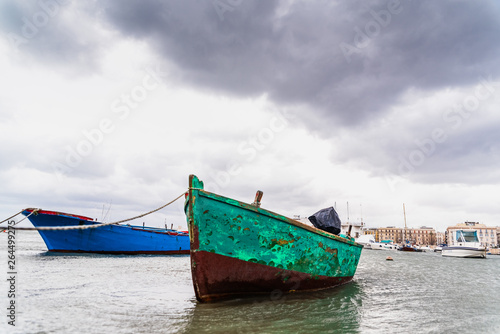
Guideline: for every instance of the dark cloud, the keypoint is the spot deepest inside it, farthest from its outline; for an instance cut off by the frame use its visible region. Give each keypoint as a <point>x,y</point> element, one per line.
<point>47,31</point>
<point>347,61</point>
<point>342,66</point>
<point>337,64</point>
<point>465,157</point>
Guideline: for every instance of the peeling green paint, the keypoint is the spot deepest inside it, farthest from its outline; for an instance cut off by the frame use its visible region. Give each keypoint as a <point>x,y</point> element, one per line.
<point>243,231</point>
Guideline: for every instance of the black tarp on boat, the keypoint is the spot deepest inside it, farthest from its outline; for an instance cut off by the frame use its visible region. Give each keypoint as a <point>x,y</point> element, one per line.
<point>327,220</point>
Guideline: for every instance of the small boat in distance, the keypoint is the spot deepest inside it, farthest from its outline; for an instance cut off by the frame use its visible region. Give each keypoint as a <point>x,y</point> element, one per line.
<point>240,249</point>
<point>108,239</point>
<point>406,246</point>
<point>390,245</point>
<point>387,245</point>
<point>425,248</point>
<point>464,243</point>
<point>383,245</point>
<point>439,248</point>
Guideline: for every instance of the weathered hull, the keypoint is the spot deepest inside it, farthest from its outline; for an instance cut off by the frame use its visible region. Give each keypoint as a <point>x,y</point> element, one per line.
<point>238,249</point>
<point>109,239</point>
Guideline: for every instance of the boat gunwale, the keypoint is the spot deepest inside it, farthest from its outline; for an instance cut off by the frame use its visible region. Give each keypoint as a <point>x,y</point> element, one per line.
<point>274,215</point>
<point>479,249</point>
<point>176,252</point>
<point>91,221</point>
<point>56,213</point>
<point>159,231</point>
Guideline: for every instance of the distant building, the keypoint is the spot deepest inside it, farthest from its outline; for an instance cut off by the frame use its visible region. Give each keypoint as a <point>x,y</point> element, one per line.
<point>424,235</point>
<point>419,236</point>
<point>371,231</point>
<point>498,236</point>
<point>440,238</point>
<point>390,233</point>
<point>488,236</point>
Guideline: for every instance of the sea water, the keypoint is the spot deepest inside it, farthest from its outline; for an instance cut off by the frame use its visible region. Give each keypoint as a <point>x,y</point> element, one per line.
<point>75,293</point>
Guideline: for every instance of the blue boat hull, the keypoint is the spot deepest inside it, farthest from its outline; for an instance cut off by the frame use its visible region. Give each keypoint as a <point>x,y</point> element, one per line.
<point>109,239</point>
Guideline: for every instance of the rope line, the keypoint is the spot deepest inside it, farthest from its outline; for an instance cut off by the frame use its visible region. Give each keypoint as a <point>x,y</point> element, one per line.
<point>11,217</point>
<point>84,227</point>
<point>32,212</point>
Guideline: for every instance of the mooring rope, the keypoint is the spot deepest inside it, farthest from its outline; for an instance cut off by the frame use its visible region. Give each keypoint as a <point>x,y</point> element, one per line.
<point>11,216</point>
<point>83,227</point>
<point>32,212</point>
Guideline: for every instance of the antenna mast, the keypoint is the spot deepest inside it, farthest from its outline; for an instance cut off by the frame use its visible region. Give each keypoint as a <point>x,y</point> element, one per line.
<point>361,208</point>
<point>404,214</point>
<point>347,211</point>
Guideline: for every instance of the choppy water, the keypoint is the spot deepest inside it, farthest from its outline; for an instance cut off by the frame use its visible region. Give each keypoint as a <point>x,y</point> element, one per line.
<point>415,293</point>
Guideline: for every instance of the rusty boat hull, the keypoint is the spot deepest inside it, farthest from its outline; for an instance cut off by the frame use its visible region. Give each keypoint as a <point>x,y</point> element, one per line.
<point>239,250</point>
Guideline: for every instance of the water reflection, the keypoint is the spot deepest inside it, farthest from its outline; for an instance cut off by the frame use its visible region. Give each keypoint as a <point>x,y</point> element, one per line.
<point>334,310</point>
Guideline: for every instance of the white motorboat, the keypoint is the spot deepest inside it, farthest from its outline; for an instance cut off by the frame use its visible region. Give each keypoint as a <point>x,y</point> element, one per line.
<point>391,246</point>
<point>464,243</point>
<point>425,249</point>
<point>378,246</point>
<point>384,246</point>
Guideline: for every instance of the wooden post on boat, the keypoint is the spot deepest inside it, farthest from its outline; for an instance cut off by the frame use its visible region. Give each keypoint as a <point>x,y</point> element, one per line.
<point>348,224</point>
<point>258,197</point>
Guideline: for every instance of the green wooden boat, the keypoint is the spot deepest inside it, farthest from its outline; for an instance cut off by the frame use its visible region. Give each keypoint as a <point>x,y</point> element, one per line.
<point>239,249</point>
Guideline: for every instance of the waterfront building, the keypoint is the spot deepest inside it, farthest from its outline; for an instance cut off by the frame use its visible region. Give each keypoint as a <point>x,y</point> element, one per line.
<point>419,236</point>
<point>390,233</point>
<point>498,237</point>
<point>424,235</point>
<point>371,231</point>
<point>440,238</point>
<point>487,235</point>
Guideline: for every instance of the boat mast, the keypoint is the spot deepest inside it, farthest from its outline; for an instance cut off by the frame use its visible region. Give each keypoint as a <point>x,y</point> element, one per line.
<point>347,212</point>
<point>404,214</point>
<point>361,209</point>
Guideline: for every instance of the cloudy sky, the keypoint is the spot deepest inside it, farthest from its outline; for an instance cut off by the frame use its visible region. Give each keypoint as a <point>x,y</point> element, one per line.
<point>106,107</point>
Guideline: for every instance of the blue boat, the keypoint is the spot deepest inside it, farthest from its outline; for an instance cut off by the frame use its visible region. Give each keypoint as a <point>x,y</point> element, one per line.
<point>107,239</point>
